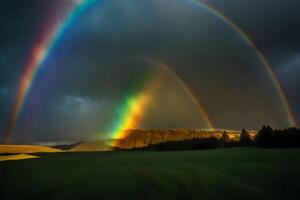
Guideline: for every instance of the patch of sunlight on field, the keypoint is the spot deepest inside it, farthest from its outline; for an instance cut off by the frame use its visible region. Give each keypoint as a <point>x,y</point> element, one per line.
<point>17,157</point>
<point>19,149</point>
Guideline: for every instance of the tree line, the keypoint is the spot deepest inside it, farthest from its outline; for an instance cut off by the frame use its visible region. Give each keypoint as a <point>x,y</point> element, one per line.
<point>269,138</point>
<point>265,138</point>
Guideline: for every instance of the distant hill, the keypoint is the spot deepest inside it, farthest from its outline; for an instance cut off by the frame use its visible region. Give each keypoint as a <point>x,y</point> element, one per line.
<point>16,149</point>
<point>99,145</point>
<point>66,147</point>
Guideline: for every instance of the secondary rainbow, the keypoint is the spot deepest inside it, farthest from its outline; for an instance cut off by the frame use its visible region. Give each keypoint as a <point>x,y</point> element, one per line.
<point>47,43</point>
<point>186,88</point>
<point>246,38</point>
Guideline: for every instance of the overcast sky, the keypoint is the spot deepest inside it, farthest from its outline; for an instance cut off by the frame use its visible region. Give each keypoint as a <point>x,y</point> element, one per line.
<point>101,60</point>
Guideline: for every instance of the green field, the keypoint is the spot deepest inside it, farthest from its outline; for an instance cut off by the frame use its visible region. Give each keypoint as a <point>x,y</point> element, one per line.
<point>237,173</point>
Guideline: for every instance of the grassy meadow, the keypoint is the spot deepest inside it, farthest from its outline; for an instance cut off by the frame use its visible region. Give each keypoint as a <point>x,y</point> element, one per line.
<point>233,173</point>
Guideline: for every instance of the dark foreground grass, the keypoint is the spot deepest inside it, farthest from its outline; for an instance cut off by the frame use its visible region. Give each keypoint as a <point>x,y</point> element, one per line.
<point>237,173</point>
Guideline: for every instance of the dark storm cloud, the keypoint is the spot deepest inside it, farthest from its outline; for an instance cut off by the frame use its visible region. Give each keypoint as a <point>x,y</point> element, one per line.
<point>73,117</point>
<point>19,28</point>
<point>274,28</point>
<point>271,24</point>
<point>5,99</point>
<point>289,72</point>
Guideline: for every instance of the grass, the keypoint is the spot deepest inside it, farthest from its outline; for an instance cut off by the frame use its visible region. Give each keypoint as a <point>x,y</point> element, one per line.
<point>234,173</point>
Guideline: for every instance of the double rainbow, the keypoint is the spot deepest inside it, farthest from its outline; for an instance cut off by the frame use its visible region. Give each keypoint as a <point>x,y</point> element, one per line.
<point>48,42</point>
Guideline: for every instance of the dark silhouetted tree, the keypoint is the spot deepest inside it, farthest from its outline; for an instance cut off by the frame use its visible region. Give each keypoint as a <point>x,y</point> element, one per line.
<point>193,144</point>
<point>264,136</point>
<point>245,139</point>
<point>269,138</point>
<point>225,140</point>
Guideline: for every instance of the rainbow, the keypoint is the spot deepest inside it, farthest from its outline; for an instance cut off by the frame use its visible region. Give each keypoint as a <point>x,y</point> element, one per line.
<point>186,88</point>
<point>43,48</point>
<point>246,38</point>
<point>131,113</point>
<point>38,56</point>
<point>132,110</point>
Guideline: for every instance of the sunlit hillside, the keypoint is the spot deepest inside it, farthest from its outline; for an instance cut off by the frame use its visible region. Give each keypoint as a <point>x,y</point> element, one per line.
<point>142,138</point>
